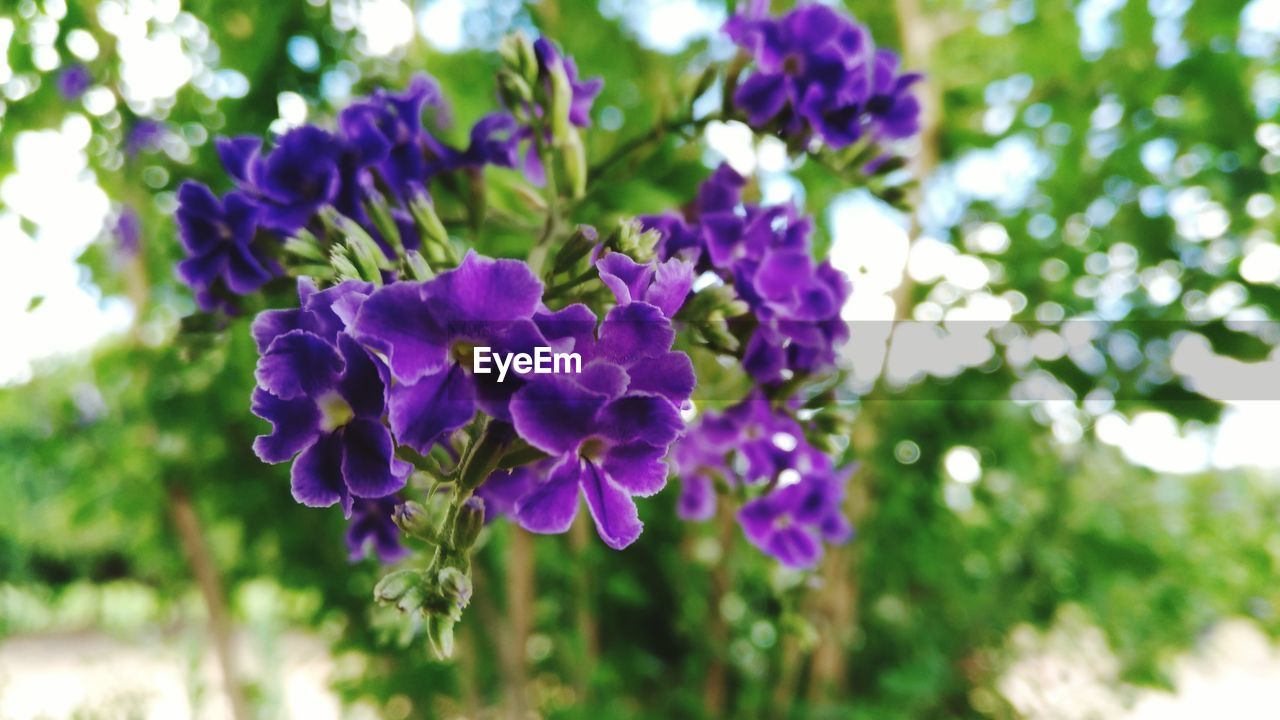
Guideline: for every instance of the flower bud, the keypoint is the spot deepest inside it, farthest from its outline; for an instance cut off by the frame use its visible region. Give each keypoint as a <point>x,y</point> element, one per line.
<point>574,156</point>
<point>404,589</point>
<point>417,266</point>
<point>584,238</point>
<point>413,520</point>
<point>305,245</point>
<point>517,53</point>
<point>639,244</point>
<point>469,523</point>
<point>515,92</point>
<point>440,636</point>
<point>378,211</point>
<point>455,588</point>
<point>342,265</point>
<point>561,103</point>
<point>428,222</point>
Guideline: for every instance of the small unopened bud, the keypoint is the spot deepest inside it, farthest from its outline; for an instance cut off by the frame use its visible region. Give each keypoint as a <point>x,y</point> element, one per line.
<point>342,265</point>
<point>378,211</point>
<point>440,636</point>
<point>413,520</point>
<point>516,50</point>
<point>305,245</point>
<point>639,244</point>
<point>469,523</point>
<point>515,91</point>
<point>455,587</point>
<point>417,266</point>
<point>584,238</point>
<point>574,155</point>
<point>428,222</point>
<point>561,103</point>
<point>404,589</point>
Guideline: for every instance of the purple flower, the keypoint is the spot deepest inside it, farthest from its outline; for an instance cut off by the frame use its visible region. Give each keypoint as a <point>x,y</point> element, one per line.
<point>324,396</point>
<point>608,428</point>
<point>792,521</point>
<point>817,72</point>
<point>385,131</point>
<point>584,91</point>
<point>664,285</point>
<point>303,173</point>
<point>127,231</point>
<point>427,332</point>
<point>74,81</point>
<point>218,236</point>
<point>371,526</point>
<point>144,135</point>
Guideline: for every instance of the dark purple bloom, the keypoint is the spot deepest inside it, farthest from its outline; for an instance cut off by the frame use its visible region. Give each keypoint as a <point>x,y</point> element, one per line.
<point>218,236</point>
<point>792,521</point>
<point>584,91</point>
<point>303,173</point>
<point>127,231</point>
<point>385,132</point>
<point>324,396</point>
<point>427,330</point>
<point>664,285</point>
<point>74,81</point>
<point>144,135</point>
<point>371,526</point>
<point>817,72</point>
<point>608,428</point>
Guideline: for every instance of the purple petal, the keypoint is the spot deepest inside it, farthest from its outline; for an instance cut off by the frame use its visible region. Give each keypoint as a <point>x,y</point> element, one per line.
<point>697,498</point>
<point>486,290</point>
<point>626,278</point>
<point>317,475</point>
<point>361,383</point>
<point>671,284</point>
<point>670,375</point>
<point>794,547</point>
<point>761,97</point>
<point>427,411</point>
<point>368,463</point>
<point>295,424</point>
<point>555,413</point>
<point>617,520</point>
<point>646,418</point>
<point>237,154</point>
<point>631,332</point>
<point>551,506</point>
<point>298,363</point>
<point>396,321</point>
<point>637,468</point>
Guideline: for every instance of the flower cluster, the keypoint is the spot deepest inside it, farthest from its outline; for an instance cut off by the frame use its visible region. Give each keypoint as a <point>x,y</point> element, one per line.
<point>755,446</point>
<point>817,73</point>
<point>376,385</point>
<point>765,254</point>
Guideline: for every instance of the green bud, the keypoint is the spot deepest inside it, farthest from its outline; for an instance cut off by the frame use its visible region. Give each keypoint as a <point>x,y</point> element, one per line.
<point>517,53</point>
<point>718,336</point>
<point>428,222</point>
<point>561,102</point>
<point>417,266</point>
<point>380,213</point>
<point>583,239</point>
<point>469,523</point>
<point>414,520</point>
<point>342,265</point>
<point>516,93</point>
<point>455,588</point>
<point>574,156</point>
<point>440,636</point>
<point>305,245</point>
<point>637,243</point>
<point>405,589</point>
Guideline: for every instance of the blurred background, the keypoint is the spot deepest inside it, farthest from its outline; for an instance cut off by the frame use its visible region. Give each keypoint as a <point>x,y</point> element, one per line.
<point>1068,504</point>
